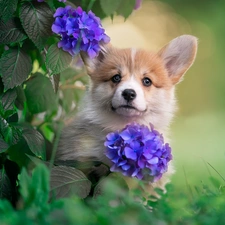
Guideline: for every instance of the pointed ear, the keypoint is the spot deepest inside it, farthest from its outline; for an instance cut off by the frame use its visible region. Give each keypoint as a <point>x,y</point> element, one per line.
<point>92,63</point>
<point>178,55</point>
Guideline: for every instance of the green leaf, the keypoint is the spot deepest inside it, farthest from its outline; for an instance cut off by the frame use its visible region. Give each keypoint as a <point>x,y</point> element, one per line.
<point>40,94</point>
<point>65,181</point>
<point>5,186</point>
<point>18,153</point>
<point>97,10</point>
<point>36,161</point>
<point>15,67</point>
<point>57,60</point>
<point>35,141</point>
<point>6,207</point>
<point>3,145</point>
<point>37,19</point>
<point>109,6</point>
<point>7,8</point>
<point>10,134</point>
<point>35,189</point>
<point>11,32</point>
<point>126,8</point>
<point>8,99</point>
<point>111,178</point>
<point>21,98</point>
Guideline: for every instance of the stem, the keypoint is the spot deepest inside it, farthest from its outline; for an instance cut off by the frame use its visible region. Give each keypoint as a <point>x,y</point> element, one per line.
<point>55,145</point>
<point>62,87</point>
<point>216,171</point>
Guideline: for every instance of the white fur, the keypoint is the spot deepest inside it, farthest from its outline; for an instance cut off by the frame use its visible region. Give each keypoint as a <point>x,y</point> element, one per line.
<point>139,102</point>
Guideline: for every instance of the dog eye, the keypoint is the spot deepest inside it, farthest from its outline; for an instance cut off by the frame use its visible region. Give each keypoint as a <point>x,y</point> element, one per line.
<point>116,78</point>
<point>146,82</point>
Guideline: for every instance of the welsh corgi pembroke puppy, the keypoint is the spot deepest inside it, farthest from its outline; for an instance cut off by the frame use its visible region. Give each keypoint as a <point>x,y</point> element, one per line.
<point>127,85</point>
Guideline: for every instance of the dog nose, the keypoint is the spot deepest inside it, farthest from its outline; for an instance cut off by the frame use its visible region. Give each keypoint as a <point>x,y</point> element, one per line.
<point>129,94</point>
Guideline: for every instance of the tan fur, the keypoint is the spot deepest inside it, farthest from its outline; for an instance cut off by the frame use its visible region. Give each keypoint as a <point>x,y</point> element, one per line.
<point>102,113</point>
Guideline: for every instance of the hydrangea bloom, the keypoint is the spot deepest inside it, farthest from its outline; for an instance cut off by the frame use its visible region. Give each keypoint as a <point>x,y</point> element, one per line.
<point>80,31</point>
<point>138,151</point>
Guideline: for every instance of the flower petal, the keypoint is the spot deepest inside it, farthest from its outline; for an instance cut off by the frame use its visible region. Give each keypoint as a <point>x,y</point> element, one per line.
<point>130,153</point>
<point>153,160</point>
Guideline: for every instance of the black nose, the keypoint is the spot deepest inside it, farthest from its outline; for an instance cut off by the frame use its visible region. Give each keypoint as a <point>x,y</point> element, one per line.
<point>129,94</point>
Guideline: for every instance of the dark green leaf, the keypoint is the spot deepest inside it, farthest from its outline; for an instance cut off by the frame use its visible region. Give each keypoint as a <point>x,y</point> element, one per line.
<point>7,8</point>
<point>21,98</point>
<point>13,118</point>
<point>10,134</point>
<point>18,153</point>
<point>5,186</point>
<point>3,145</point>
<point>66,181</point>
<point>40,94</point>
<point>11,32</point>
<point>112,178</point>
<point>57,60</point>
<point>8,99</point>
<point>15,66</point>
<point>37,19</point>
<point>35,141</point>
<point>126,8</point>
<point>109,6</point>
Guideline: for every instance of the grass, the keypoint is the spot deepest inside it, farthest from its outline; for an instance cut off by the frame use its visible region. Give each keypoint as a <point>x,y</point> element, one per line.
<point>198,141</point>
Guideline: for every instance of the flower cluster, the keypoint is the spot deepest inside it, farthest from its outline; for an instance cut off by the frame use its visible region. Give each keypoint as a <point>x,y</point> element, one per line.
<point>80,31</point>
<point>138,151</point>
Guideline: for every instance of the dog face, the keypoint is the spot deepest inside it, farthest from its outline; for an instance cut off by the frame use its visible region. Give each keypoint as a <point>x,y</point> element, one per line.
<point>132,84</point>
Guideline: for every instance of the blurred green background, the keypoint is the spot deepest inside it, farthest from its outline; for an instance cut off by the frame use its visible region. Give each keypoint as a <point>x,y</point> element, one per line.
<point>198,131</point>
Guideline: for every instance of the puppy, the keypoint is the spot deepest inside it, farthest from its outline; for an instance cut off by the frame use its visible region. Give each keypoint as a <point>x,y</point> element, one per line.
<point>127,85</point>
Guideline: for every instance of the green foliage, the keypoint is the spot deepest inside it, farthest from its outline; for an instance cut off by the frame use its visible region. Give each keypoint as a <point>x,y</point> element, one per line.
<point>204,206</point>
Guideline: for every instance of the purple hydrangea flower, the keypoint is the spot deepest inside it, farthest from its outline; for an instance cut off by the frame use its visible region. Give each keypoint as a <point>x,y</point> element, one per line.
<point>79,31</point>
<point>138,151</point>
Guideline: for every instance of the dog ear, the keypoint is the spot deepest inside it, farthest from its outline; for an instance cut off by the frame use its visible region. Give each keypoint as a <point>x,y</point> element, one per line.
<point>178,55</point>
<point>92,63</point>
